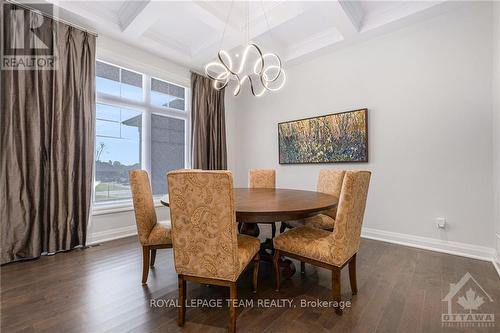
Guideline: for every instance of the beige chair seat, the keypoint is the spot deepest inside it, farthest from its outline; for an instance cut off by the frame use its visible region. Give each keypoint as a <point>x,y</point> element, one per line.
<point>160,234</point>
<point>247,248</point>
<point>329,182</point>
<point>308,242</point>
<point>320,221</point>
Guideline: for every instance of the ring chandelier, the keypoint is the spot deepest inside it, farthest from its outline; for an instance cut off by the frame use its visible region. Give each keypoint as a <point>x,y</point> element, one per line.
<point>263,71</point>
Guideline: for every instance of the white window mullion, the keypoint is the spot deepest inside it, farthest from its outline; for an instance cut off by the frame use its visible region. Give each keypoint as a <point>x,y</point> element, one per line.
<point>146,126</point>
<point>187,139</point>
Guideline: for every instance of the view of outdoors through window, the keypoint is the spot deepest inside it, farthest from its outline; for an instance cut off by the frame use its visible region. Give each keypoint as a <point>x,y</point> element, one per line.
<point>167,95</point>
<point>117,81</point>
<point>118,149</point>
<point>119,131</point>
<point>167,147</point>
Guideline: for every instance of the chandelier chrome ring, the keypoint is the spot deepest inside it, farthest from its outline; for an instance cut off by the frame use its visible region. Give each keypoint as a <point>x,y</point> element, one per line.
<point>266,82</point>
<point>223,71</point>
<point>261,60</point>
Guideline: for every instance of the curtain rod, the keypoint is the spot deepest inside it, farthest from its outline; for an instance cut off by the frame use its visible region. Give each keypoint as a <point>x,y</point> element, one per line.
<point>52,17</point>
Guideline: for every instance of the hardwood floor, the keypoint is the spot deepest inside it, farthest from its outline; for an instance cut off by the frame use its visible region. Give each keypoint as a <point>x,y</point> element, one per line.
<point>99,289</point>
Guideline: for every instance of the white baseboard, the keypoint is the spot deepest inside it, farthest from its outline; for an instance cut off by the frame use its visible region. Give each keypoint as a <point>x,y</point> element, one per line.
<point>108,235</point>
<point>432,244</point>
<point>496,259</point>
<point>496,263</point>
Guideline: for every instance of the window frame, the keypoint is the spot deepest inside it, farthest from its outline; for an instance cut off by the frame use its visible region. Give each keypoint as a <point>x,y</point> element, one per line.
<point>147,110</point>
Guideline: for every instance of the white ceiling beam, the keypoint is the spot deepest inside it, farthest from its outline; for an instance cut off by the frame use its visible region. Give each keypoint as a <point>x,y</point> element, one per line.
<point>204,12</point>
<point>177,53</point>
<point>167,43</point>
<point>138,16</point>
<point>372,24</point>
<point>397,12</point>
<point>354,12</point>
<point>313,43</point>
<point>75,11</point>
<point>276,16</point>
<point>347,16</point>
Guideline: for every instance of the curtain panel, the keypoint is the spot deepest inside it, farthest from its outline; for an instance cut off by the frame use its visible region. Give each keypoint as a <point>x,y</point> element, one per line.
<point>47,144</point>
<point>208,125</point>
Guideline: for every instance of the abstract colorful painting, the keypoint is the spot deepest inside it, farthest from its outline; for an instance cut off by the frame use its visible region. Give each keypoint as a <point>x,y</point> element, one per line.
<point>333,138</point>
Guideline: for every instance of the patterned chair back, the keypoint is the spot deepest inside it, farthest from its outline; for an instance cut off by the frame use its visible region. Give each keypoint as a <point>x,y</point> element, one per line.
<point>203,219</point>
<point>145,214</point>
<point>330,182</point>
<point>262,178</point>
<point>351,209</point>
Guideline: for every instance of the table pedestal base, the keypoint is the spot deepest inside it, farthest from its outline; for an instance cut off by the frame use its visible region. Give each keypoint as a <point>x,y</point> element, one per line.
<point>250,229</point>
<point>267,249</point>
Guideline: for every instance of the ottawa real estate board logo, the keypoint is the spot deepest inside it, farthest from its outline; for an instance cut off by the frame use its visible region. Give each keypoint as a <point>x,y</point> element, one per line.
<point>468,305</point>
<point>27,37</point>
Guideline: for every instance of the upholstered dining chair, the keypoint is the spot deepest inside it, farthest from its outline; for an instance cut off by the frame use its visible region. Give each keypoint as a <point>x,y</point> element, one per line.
<point>327,249</point>
<point>152,234</point>
<point>329,182</point>
<point>263,178</point>
<point>207,247</point>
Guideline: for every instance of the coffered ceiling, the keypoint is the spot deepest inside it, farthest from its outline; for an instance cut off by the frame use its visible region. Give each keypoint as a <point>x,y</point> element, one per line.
<point>190,32</point>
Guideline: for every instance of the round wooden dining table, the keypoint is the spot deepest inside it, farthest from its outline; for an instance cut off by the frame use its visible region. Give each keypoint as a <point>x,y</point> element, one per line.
<point>262,205</point>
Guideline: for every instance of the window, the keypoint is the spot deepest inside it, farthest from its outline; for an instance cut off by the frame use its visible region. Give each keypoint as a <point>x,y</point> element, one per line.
<point>118,149</point>
<point>168,141</point>
<point>141,123</point>
<point>120,82</point>
<point>167,95</point>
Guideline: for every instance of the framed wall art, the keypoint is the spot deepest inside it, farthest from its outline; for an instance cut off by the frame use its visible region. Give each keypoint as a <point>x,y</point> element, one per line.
<point>333,138</point>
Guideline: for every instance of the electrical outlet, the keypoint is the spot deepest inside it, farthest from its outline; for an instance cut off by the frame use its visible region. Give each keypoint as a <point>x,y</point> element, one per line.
<point>441,222</point>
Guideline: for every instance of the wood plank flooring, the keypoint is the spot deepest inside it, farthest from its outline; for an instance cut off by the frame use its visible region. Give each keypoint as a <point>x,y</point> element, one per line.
<point>99,290</point>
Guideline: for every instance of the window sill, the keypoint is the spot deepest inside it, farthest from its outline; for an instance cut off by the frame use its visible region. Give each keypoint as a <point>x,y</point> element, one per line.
<point>119,207</point>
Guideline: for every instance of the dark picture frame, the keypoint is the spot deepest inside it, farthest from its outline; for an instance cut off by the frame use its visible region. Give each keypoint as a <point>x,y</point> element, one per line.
<point>332,138</point>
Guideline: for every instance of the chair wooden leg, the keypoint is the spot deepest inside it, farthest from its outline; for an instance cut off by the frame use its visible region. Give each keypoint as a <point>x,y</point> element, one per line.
<point>153,257</point>
<point>181,317</point>
<point>352,275</point>
<point>336,289</point>
<point>273,230</point>
<point>145,264</point>
<point>302,267</point>
<point>256,262</point>
<point>232,308</point>
<point>276,264</point>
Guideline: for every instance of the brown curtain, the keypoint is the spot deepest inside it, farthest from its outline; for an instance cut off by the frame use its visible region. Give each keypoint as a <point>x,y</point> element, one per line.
<point>47,144</point>
<point>208,125</point>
